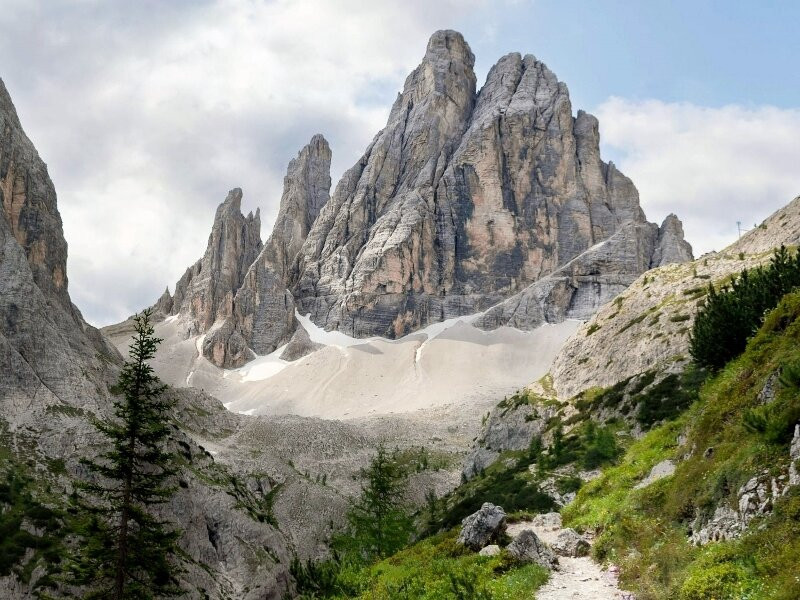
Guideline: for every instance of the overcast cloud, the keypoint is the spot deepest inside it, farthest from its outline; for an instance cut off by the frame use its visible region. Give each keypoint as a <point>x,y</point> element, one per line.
<point>147,113</point>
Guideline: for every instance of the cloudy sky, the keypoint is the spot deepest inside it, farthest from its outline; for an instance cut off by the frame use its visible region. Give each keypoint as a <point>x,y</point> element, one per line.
<point>147,112</point>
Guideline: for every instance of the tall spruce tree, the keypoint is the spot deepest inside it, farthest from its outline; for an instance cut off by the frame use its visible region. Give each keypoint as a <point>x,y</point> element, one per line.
<point>380,525</point>
<point>126,551</point>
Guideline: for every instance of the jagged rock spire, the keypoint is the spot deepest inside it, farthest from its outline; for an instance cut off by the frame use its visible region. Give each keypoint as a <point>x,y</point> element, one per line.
<point>671,248</point>
<point>205,291</point>
<point>262,316</point>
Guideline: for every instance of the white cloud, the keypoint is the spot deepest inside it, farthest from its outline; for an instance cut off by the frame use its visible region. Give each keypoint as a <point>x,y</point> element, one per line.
<point>711,166</point>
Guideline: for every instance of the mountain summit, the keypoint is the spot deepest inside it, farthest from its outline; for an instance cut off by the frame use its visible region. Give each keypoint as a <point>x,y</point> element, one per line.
<point>463,201</point>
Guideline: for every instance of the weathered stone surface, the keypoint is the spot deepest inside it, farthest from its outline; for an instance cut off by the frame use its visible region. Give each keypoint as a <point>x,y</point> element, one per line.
<point>507,428</point>
<point>570,543</point>
<point>579,288</point>
<point>204,294</point>
<point>28,199</point>
<point>55,374</point>
<point>794,458</point>
<point>300,345</point>
<point>490,550</point>
<point>463,200</point>
<point>527,547</point>
<point>482,527</point>
<point>163,305</point>
<point>663,469</point>
<point>262,316</point>
<point>671,247</point>
<point>548,521</point>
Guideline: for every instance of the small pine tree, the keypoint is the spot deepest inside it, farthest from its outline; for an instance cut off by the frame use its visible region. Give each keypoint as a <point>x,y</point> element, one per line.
<point>380,525</point>
<point>126,552</point>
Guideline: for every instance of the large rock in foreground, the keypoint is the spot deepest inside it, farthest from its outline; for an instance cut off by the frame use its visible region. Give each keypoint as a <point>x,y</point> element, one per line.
<point>483,527</point>
<point>527,547</point>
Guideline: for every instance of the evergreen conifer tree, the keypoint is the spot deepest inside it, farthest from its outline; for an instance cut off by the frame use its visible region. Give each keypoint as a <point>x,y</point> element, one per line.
<point>379,522</point>
<point>126,551</point>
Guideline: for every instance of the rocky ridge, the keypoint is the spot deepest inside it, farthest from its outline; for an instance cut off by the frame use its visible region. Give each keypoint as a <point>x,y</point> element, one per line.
<point>466,200</point>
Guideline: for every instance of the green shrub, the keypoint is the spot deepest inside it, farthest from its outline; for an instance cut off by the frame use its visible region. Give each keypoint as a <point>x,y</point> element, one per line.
<point>732,315</point>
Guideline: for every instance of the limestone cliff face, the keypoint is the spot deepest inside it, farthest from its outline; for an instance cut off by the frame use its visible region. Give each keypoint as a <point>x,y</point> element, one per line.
<point>462,200</point>
<point>29,205</point>
<point>262,316</point>
<point>205,292</point>
<point>466,201</point>
<point>671,247</point>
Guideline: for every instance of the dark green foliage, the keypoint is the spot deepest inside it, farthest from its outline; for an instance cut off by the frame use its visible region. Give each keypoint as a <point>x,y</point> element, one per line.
<point>321,579</point>
<point>379,522</point>
<point>592,328</point>
<point>125,551</point>
<point>589,445</point>
<point>669,397</point>
<point>733,314</point>
<point>18,505</point>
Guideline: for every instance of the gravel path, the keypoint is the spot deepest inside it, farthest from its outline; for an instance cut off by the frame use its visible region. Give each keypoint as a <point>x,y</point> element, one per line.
<point>577,578</point>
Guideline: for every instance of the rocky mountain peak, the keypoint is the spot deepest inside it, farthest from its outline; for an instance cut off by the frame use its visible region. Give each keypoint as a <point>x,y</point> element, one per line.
<point>671,247</point>
<point>28,199</point>
<point>205,291</point>
<point>463,201</point>
<point>262,315</point>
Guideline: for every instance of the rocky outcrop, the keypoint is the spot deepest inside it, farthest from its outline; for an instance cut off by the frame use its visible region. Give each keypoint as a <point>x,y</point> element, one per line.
<point>647,326</point>
<point>483,527</point>
<point>464,199</point>
<point>663,469</point>
<point>527,547</point>
<point>671,247</point>
<point>579,288</point>
<point>28,199</point>
<point>262,316</point>
<point>509,427</point>
<point>570,543</point>
<point>300,345</point>
<point>204,294</point>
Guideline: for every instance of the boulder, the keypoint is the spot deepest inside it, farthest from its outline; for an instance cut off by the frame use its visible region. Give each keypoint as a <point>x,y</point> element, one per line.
<point>486,525</point>
<point>490,550</point>
<point>548,521</point>
<point>663,469</point>
<point>527,547</point>
<point>570,543</point>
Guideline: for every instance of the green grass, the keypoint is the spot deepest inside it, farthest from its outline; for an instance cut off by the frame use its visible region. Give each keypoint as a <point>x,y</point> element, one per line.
<point>645,531</point>
<point>437,568</point>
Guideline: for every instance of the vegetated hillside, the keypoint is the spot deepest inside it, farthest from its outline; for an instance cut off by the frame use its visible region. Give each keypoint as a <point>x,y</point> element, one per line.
<point>647,327</point>
<point>726,524</point>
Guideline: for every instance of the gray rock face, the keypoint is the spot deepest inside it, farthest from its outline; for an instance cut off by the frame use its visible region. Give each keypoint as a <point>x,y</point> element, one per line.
<point>671,247</point>
<point>507,428</point>
<point>29,206</point>
<point>463,199</point>
<point>482,527</point>
<point>579,288</point>
<point>570,543</point>
<point>663,469</point>
<point>300,345</point>
<point>527,547</point>
<point>490,550</point>
<point>262,316</point>
<point>205,292</point>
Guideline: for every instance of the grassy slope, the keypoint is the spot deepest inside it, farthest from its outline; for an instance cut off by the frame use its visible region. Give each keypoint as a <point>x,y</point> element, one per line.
<point>645,531</point>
